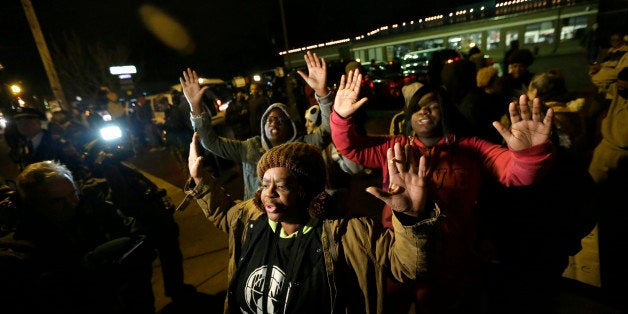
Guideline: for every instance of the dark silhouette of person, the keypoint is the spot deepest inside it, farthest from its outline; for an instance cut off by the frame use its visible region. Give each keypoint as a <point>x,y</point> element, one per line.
<point>516,81</point>
<point>258,102</point>
<point>62,126</point>
<point>610,173</point>
<point>29,142</point>
<point>514,46</point>
<point>478,107</point>
<point>76,252</point>
<point>237,116</point>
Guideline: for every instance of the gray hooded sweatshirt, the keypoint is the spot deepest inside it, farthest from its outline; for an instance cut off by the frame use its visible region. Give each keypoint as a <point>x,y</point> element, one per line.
<point>249,151</point>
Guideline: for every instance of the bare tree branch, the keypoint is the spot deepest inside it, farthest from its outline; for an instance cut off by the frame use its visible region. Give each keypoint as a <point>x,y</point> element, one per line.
<point>83,65</point>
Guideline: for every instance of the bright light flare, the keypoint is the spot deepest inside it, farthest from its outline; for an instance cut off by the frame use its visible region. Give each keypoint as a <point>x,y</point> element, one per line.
<point>110,133</point>
<point>15,89</point>
<point>167,29</point>
<point>223,107</point>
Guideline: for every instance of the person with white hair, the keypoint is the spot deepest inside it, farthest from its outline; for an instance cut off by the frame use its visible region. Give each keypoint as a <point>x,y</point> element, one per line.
<point>85,256</point>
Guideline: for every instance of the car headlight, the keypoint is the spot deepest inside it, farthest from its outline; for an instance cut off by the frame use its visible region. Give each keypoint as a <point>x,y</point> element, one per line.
<point>111,133</point>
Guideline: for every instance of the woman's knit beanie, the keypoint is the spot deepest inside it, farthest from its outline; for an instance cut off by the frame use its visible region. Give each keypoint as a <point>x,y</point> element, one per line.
<point>305,163</point>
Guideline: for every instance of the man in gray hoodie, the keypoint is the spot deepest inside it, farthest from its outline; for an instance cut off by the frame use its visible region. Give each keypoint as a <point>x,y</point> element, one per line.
<point>277,125</point>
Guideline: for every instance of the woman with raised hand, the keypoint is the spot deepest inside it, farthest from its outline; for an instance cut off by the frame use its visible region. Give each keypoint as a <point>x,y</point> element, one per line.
<point>288,254</point>
<point>457,166</point>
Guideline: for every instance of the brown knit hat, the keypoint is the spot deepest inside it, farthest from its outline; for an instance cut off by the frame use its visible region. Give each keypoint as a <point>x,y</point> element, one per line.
<point>305,163</point>
<point>486,76</point>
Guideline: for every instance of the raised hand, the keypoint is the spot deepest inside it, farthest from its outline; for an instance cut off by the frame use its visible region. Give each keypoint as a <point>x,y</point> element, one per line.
<point>407,192</point>
<point>527,128</point>
<point>346,102</point>
<point>192,90</point>
<point>317,73</point>
<point>195,160</point>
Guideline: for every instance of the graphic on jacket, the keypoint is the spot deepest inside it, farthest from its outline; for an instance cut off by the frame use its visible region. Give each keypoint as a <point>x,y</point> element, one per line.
<point>254,290</point>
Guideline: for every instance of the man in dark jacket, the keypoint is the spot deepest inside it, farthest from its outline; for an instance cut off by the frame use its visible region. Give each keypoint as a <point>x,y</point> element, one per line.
<point>30,142</point>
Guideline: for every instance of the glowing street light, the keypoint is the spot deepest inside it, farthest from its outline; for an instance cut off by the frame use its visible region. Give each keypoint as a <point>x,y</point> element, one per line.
<point>15,89</point>
<point>123,69</point>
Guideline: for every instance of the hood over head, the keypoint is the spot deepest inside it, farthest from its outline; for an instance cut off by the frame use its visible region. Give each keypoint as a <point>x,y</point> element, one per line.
<point>265,141</point>
<point>453,123</point>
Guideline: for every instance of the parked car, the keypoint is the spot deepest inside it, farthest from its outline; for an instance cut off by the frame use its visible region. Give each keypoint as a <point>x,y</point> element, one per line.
<point>219,92</point>
<point>417,66</point>
<point>159,111</point>
<point>218,97</point>
<point>382,84</point>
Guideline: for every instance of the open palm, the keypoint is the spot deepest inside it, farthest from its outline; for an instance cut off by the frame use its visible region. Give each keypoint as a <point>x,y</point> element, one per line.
<point>346,102</point>
<point>407,192</point>
<point>317,73</point>
<point>192,90</point>
<point>195,160</point>
<point>527,128</point>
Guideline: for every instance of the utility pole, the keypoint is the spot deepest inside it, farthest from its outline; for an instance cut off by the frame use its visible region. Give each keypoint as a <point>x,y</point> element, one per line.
<point>285,34</point>
<point>55,85</point>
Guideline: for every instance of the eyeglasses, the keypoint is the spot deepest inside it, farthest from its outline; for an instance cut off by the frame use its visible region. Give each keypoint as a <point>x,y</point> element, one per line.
<point>275,120</point>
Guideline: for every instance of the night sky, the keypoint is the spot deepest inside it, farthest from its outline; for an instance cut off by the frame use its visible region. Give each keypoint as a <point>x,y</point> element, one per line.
<point>225,38</point>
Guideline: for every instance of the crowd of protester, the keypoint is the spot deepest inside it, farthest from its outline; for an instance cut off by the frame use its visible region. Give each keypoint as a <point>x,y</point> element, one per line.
<point>490,181</point>
<point>79,231</point>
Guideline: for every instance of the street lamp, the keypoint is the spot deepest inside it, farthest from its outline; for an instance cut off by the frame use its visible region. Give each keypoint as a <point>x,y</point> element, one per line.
<point>125,74</point>
<point>15,89</point>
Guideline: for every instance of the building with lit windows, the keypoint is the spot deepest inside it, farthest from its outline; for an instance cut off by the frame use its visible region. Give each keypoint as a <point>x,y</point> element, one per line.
<point>546,26</point>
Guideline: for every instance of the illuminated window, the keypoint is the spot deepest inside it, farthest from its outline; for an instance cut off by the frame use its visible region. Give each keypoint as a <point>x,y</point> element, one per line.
<point>573,28</point>
<point>539,33</point>
<point>492,40</point>
<point>511,35</point>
